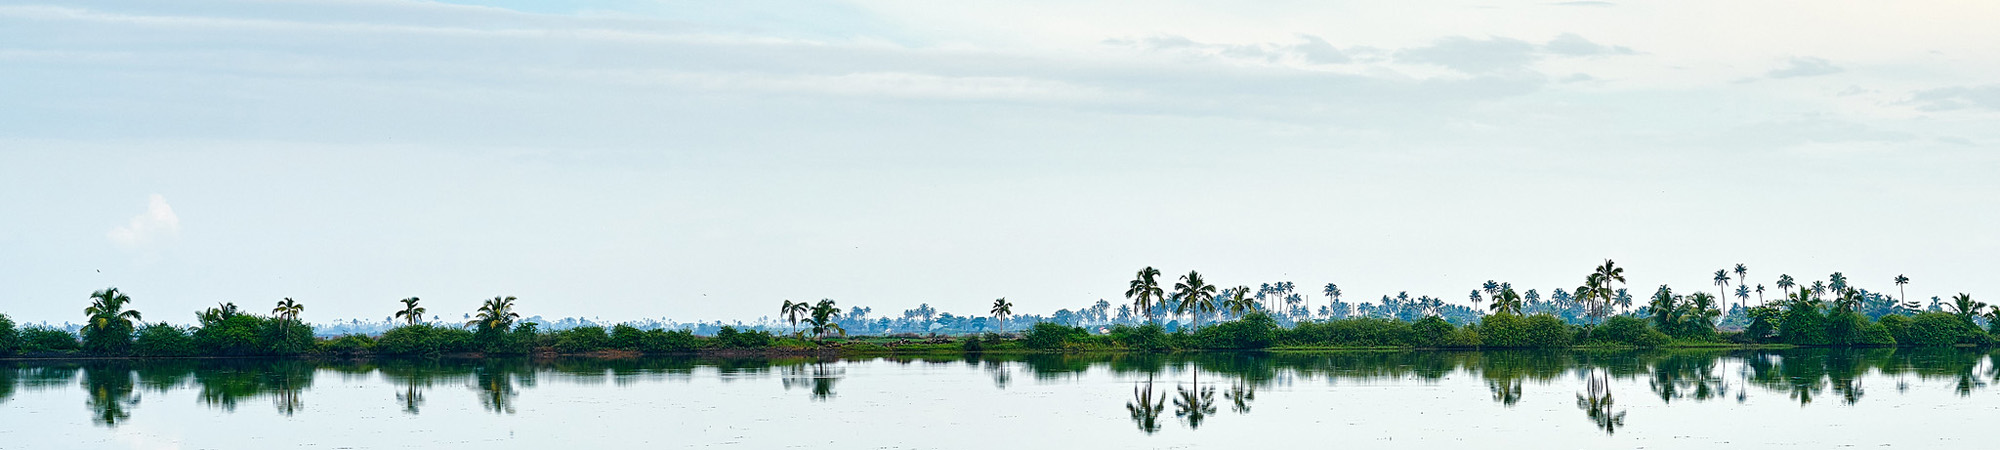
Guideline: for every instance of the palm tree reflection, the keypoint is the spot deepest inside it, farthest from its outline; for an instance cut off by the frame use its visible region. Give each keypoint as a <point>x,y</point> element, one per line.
<point>1146,408</point>
<point>1507,392</point>
<point>819,376</point>
<point>110,389</point>
<point>1240,396</point>
<point>1597,403</point>
<point>1194,405</point>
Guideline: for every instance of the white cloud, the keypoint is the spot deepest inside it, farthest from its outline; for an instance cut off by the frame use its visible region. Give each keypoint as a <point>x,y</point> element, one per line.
<point>157,224</point>
<point>1805,67</point>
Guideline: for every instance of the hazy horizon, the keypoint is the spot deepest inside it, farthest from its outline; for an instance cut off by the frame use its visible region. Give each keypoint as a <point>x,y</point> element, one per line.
<point>698,161</point>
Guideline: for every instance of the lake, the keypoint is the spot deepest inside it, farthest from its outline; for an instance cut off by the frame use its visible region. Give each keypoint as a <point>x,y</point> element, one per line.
<point>1809,398</point>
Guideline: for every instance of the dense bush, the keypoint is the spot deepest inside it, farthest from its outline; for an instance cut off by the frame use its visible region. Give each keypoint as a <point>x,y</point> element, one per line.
<point>38,339</point>
<point>1514,331</point>
<point>1848,328</point>
<point>114,338</point>
<point>663,341</point>
<point>1431,331</point>
<point>10,338</point>
<point>1803,325</point>
<point>347,345</point>
<point>1898,326</point>
<point>1935,329</point>
<point>424,340</point>
<point>626,337</point>
<point>729,337</point>
<point>162,339</point>
<point>1627,330</point>
<point>1050,336</point>
<point>233,336</point>
<point>580,340</point>
<point>1147,337</point>
<point>1356,332</point>
<point>286,337</point>
<point>1253,331</point>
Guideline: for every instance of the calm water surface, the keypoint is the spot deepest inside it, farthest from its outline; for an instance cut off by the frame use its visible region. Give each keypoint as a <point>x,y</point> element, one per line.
<point>1935,398</point>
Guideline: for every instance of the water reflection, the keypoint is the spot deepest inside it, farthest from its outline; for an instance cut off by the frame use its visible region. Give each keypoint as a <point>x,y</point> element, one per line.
<point>112,389</point>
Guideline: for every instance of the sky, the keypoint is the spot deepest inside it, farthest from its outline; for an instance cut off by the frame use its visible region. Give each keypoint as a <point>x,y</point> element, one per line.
<point>628,159</point>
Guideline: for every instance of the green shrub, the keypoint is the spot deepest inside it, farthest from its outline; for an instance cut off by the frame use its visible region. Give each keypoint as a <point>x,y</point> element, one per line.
<point>115,338</point>
<point>1848,328</point>
<point>1804,325</point>
<point>1149,337</point>
<point>1050,335</point>
<point>239,335</point>
<point>729,337</point>
<point>424,340</point>
<point>10,338</point>
<point>1937,329</point>
<point>581,340</point>
<point>287,337</point>
<point>626,337</point>
<point>1431,331</point>
<point>1514,331</point>
<point>1355,332</point>
<point>162,339</point>
<point>663,341</point>
<point>36,339</point>
<point>1627,330</point>
<point>1254,331</point>
<point>1898,327</point>
<point>348,345</point>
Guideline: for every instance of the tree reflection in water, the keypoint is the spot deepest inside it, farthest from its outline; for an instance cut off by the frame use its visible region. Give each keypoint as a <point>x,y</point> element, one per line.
<point>1145,408</point>
<point>1597,403</point>
<point>1194,405</point>
<point>1240,396</point>
<point>495,382</point>
<point>110,393</point>
<point>818,375</point>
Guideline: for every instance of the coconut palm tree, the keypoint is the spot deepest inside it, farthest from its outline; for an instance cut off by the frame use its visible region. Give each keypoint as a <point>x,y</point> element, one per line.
<point>1239,301</point>
<point>107,310</point>
<point>1491,288</point>
<point>496,314</point>
<point>1333,292</point>
<point>1196,296</point>
<point>1964,306</point>
<point>1742,294</point>
<point>1609,272</point>
<point>1785,283</point>
<point>1001,309</point>
<point>822,320</point>
<point>1507,302</point>
<point>1900,292</point>
<point>1722,283</point>
<point>1760,293</point>
<point>1742,275</point>
<point>1837,282</point>
<point>289,311</point>
<point>411,312</point>
<point>1818,290</point>
<point>1145,291</point>
<point>792,312</point>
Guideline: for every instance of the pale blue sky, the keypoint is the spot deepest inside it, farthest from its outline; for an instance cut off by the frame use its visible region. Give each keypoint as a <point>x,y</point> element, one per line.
<point>705,160</point>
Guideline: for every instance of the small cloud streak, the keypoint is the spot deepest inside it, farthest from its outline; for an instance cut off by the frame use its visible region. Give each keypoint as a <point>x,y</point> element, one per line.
<point>1958,97</point>
<point>1805,67</point>
<point>158,223</point>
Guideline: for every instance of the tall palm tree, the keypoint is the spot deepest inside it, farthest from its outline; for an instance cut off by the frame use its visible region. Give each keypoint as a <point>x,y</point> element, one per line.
<point>1760,293</point>
<point>822,320</point>
<point>792,312</point>
<point>411,312</point>
<point>1507,302</point>
<point>1491,288</point>
<point>496,314</point>
<point>1593,296</point>
<point>1001,309</point>
<point>1239,301</point>
<point>107,310</point>
<point>1785,283</point>
<point>1963,305</point>
<point>1609,272</point>
<point>1900,282</point>
<point>1742,294</point>
<point>1196,296</point>
<point>1742,275</point>
<point>289,311</point>
<point>1837,282</point>
<point>1722,283</point>
<point>1145,291</point>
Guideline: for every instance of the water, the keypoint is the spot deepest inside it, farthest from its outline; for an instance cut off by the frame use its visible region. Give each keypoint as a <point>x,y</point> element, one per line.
<point>1932,398</point>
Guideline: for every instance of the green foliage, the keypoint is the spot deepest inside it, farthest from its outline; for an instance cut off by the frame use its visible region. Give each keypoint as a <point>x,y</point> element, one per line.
<point>1627,330</point>
<point>113,338</point>
<point>1898,327</point>
<point>1803,325</point>
<point>1150,337</point>
<point>424,340</point>
<point>286,337</point>
<point>1938,329</point>
<point>1050,336</point>
<point>237,335</point>
<point>38,340</point>
<point>663,341</point>
<point>1356,332</point>
<point>10,338</point>
<point>626,337</point>
<point>729,337</point>
<point>1253,331</point>
<point>1432,331</point>
<point>581,340</point>
<point>1849,328</point>
<point>162,339</point>
<point>1537,331</point>
<point>348,345</point>
<point>1763,323</point>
